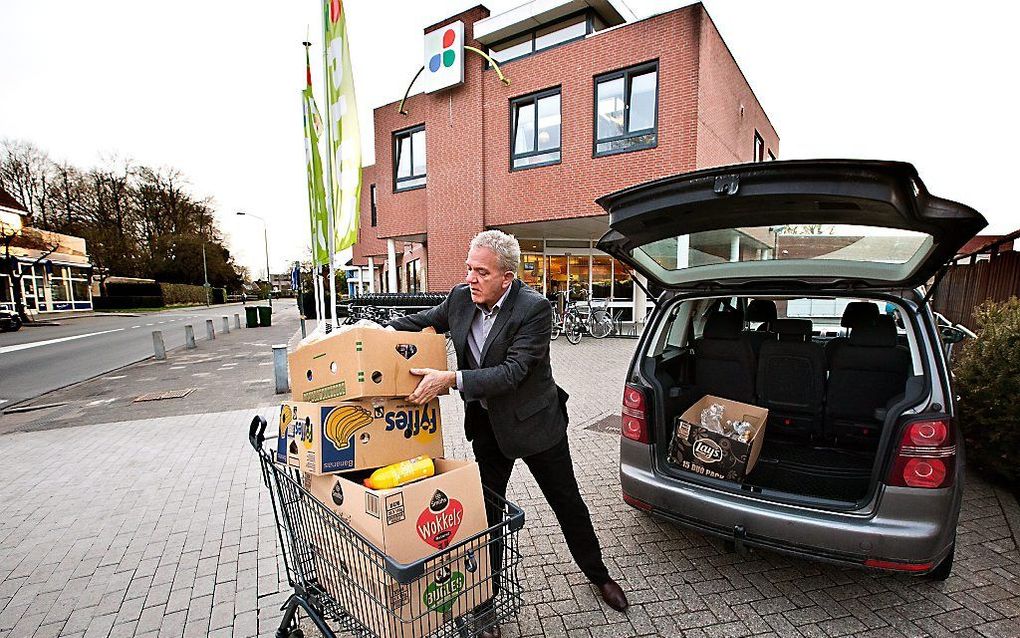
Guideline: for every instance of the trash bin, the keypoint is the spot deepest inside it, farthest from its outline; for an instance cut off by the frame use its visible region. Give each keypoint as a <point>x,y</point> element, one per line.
<point>251,317</point>
<point>265,316</point>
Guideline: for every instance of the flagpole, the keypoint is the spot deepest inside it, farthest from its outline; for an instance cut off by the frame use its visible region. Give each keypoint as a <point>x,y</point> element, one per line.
<point>330,204</point>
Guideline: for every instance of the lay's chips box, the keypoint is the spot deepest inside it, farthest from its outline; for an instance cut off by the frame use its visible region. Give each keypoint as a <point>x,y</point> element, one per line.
<point>363,362</point>
<point>285,437</point>
<point>363,434</point>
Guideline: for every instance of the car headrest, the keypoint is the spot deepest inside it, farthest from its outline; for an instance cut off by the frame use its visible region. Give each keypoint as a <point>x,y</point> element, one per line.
<point>723,325</point>
<point>793,329</point>
<point>763,310</point>
<point>881,334</point>
<point>859,313</point>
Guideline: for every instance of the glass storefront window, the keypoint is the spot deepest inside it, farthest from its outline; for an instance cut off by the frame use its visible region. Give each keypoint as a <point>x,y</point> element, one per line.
<point>623,285</point>
<point>601,277</point>
<point>530,271</point>
<point>578,272</point>
<point>80,289</point>
<point>59,290</point>
<point>556,276</point>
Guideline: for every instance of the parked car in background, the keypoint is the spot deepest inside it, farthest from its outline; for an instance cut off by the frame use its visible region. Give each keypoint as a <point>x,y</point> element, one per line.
<point>862,461</point>
<point>9,321</point>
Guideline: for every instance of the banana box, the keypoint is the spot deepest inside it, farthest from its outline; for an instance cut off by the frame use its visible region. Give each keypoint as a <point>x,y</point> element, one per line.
<point>286,445</point>
<point>363,434</point>
<point>363,362</point>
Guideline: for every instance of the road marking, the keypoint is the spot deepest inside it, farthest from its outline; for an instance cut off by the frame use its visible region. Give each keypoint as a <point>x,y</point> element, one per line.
<point>150,324</point>
<point>115,377</point>
<point>133,327</point>
<point>36,344</point>
<point>2,401</point>
<point>201,374</point>
<point>99,402</point>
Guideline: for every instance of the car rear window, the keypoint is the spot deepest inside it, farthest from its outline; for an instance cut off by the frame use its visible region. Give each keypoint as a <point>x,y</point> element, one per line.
<point>798,242</point>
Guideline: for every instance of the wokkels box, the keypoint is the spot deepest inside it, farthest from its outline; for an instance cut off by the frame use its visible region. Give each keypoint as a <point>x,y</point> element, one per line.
<point>412,521</point>
<point>363,362</point>
<point>701,450</point>
<point>450,587</point>
<point>366,433</point>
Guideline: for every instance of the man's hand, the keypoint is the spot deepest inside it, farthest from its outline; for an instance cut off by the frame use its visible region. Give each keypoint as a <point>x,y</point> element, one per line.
<point>432,384</point>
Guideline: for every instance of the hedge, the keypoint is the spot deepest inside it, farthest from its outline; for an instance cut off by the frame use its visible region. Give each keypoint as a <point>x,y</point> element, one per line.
<point>989,388</point>
<point>127,301</point>
<point>182,293</point>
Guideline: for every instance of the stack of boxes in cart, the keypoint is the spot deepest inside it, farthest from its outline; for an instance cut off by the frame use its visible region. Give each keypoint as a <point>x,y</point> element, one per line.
<point>349,416</point>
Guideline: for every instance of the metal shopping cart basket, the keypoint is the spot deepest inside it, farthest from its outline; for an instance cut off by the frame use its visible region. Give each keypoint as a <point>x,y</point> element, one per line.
<point>345,585</point>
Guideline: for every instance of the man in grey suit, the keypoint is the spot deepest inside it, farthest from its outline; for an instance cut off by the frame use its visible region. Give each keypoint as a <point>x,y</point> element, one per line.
<point>513,409</point>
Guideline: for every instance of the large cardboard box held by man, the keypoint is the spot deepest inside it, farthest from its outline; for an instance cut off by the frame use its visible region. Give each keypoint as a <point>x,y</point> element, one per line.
<point>363,362</point>
<point>703,451</point>
<point>408,524</point>
<point>364,433</point>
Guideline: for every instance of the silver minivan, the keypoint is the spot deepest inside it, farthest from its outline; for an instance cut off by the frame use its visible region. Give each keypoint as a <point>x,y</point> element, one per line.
<point>801,287</point>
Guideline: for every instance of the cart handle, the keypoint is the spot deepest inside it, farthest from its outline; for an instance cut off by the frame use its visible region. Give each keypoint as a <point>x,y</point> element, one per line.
<point>256,432</point>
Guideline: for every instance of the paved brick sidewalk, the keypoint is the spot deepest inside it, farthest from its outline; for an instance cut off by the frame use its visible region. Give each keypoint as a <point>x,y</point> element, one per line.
<point>162,527</point>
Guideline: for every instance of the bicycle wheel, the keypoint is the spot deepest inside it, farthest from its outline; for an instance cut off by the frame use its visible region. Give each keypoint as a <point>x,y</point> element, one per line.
<point>556,325</point>
<point>600,324</point>
<point>573,330</point>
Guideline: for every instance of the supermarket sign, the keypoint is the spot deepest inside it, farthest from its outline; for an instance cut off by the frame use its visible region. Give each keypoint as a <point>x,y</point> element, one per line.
<point>444,57</point>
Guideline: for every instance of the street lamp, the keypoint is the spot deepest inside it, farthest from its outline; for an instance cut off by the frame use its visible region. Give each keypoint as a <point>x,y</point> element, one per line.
<point>265,236</point>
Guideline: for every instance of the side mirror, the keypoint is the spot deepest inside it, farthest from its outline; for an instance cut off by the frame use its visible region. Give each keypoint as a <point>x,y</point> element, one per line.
<point>952,334</point>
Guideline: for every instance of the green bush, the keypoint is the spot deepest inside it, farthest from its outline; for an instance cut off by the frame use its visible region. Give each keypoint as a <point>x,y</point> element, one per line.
<point>988,382</point>
<point>182,293</point>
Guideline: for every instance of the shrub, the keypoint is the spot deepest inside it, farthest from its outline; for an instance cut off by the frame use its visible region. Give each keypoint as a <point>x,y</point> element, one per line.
<point>988,383</point>
<point>183,293</point>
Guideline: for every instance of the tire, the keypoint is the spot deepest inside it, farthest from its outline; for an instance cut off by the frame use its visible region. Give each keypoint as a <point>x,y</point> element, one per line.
<point>943,569</point>
<point>573,330</point>
<point>556,326</point>
<point>601,325</point>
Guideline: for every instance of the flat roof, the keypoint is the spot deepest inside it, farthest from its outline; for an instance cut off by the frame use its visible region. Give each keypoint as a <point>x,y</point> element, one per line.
<point>536,13</point>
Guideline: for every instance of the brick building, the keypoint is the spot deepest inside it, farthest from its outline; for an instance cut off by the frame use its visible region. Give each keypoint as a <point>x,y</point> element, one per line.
<point>597,101</point>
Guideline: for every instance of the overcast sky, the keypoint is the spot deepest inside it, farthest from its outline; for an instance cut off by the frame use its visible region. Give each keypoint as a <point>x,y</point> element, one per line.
<point>212,88</point>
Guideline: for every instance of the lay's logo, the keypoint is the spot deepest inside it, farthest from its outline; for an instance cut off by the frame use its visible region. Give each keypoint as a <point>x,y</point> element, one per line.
<point>707,451</point>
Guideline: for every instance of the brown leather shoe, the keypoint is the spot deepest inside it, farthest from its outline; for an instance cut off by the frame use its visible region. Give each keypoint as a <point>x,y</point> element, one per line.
<point>491,632</point>
<point>614,596</point>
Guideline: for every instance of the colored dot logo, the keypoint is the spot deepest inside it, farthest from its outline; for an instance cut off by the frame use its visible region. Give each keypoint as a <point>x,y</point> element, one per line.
<point>447,56</point>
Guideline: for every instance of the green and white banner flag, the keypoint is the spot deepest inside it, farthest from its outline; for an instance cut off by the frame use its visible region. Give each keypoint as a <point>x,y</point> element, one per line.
<point>345,155</point>
<point>316,186</point>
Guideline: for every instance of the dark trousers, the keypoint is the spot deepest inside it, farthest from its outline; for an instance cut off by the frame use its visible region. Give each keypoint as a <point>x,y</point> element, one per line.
<point>554,472</point>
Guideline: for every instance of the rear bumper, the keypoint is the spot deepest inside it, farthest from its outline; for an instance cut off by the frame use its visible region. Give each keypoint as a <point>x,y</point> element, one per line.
<point>906,525</point>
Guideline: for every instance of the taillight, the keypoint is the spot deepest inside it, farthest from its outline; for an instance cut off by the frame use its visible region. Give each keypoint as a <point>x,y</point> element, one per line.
<point>634,423</point>
<point>926,455</point>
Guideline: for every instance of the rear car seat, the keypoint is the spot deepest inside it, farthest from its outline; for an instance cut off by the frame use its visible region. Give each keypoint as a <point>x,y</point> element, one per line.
<point>763,311</point>
<point>864,374</point>
<point>791,380</point>
<point>856,313</point>
<point>724,363</point>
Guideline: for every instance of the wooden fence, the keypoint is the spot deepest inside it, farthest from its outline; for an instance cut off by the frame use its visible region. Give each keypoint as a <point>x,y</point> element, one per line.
<point>971,282</point>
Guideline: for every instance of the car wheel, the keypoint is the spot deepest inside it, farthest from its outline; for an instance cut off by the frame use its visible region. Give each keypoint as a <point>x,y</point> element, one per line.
<point>943,569</point>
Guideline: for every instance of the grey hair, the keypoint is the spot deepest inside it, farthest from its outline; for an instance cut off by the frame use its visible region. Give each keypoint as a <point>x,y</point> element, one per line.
<point>506,247</point>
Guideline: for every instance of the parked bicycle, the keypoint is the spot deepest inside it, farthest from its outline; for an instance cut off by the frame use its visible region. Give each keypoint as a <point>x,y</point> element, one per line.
<point>593,318</point>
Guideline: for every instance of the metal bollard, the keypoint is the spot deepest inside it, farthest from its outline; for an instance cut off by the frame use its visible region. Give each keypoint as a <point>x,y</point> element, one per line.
<point>237,321</point>
<point>210,332</point>
<point>303,333</point>
<point>280,369</point>
<point>189,337</point>
<point>157,345</point>
<point>226,325</point>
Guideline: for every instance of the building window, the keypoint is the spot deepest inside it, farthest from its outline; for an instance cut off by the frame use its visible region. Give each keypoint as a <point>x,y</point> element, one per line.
<point>373,205</point>
<point>569,29</point>
<point>759,148</point>
<point>535,130</point>
<point>626,110</point>
<point>409,158</point>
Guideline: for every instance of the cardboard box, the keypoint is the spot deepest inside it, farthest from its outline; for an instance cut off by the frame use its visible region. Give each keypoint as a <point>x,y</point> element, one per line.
<point>703,451</point>
<point>413,521</point>
<point>286,445</point>
<point>450,587</point>
<point>366,433</point>
<point>363,362</point>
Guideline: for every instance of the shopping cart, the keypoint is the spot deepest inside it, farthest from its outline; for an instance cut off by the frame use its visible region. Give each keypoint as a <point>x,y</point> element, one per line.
<point>345,585</point>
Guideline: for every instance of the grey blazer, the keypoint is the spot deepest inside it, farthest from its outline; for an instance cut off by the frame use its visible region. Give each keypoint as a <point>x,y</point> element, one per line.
<point>527,409</point>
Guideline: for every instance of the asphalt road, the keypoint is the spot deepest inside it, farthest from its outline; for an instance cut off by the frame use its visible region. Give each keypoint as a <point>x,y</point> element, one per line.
<point>39,359</point>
